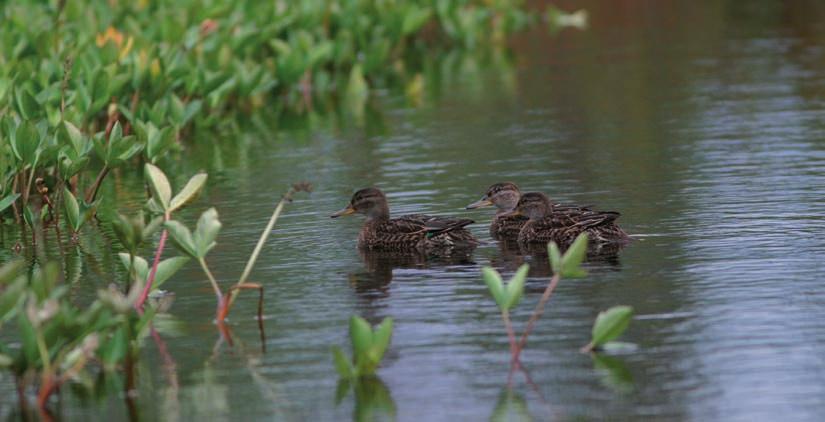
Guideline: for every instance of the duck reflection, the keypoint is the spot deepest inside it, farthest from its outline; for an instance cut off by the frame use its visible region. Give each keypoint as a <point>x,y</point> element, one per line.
<point>373,282</point>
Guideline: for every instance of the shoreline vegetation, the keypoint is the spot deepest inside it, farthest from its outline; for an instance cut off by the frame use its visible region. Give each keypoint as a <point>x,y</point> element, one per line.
<point>88,90</point>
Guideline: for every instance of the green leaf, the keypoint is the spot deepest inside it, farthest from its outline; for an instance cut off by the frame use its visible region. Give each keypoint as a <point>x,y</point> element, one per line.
<point>28,340</point>
<point>5,361</point>
<point>342,365</point>
<point>10,270</point>
<point>360,335</point>
<point>8,201</point>
<point>114,351</point>
<point>381,340</point>
<point>515,287</point>
<point>555,257</point>
<point>27,105</point>
<point>182,238</point>
<point>496,286</point>
<point>573,257</point>
<point>11,296</point>
<point>189,192</point>
<point>167,268</point>
<point>206,232</point>
<point>610,324</point>
<point>141,266</point>
<point>159,185</point>
<point>26,142</point>
<point>71,135</point>
<point>72,209</point>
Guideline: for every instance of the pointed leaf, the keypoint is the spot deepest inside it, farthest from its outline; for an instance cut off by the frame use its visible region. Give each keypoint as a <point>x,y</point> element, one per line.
<point>11,297</point>
<point>189,192</point>
<point>342,365</point>
<point>515,287</point>
<point>8,200</point>
<point>611,324</point>
<point>72,209</point>
<point>496,286</point>
<point>574,256</point>
<point>27,105</point>
<point>206,232</point>
<point>360,335</point>
<point>167,268</point>
<point>159,185</point>
<point>141,266</point>
<point>555,257</point>
<point>381,339</point>
<point>182,238</point>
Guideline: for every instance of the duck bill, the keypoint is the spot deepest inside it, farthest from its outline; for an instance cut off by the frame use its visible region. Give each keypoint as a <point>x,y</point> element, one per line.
<point>481,203</point>
<point>346,211</point>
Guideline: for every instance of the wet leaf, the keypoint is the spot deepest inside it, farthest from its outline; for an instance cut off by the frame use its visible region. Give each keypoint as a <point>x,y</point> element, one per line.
<point>360,334</point>
<point>381,340</point>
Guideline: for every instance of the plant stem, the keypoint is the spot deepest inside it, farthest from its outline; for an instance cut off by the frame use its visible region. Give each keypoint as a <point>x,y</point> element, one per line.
<point>511,335</point>
<point>212,280</point>
<point>92,193</point>
<point>536,314</point>
<point>261,241</point>
<point>148,287</point>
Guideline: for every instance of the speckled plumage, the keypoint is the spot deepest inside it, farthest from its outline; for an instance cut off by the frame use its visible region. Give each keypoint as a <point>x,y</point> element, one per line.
<point>409,232</point>
<point>563,224</point>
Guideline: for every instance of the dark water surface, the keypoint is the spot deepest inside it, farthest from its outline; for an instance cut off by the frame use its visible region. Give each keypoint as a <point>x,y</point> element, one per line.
<point>703,125</point>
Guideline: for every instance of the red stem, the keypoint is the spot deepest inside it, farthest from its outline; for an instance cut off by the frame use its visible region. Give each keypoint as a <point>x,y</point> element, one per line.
<point>151,278</point>
<point>536,314</point>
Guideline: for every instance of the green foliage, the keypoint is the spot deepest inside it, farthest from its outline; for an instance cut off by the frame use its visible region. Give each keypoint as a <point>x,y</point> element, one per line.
<point>506,297</point>
<point>569,265</point>
<point>368,348</point>
<point>58,339</point>
<point>196,244</point>
<point>609,325</point>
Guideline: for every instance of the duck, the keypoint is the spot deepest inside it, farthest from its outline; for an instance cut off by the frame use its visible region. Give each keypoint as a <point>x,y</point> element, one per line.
<point>414,232</point>
<point>544,225</point>
<point>507,225</point>
<point>504,196</point>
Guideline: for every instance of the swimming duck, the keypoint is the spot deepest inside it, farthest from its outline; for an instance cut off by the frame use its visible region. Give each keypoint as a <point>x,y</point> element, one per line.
<point>504,196</point>
<point>409,232</point>
<point>545,225</point>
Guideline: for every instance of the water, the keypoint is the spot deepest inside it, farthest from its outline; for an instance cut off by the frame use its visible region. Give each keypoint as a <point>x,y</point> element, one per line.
<point>702,125</point>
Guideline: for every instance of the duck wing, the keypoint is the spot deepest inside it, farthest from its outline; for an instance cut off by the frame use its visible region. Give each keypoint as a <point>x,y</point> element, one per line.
<point>430,224</point>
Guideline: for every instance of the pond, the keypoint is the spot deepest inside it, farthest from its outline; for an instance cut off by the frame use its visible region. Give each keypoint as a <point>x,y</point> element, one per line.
<point>702,125</point>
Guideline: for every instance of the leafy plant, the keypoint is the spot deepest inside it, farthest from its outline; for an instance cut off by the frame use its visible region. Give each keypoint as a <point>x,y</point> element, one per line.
<point>609,325</point>
<point>368,348</point>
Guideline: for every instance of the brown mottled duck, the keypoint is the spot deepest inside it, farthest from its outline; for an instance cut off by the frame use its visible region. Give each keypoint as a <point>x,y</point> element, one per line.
<point>406,233</point>
<point>506,225</point>
<point>545,225</point>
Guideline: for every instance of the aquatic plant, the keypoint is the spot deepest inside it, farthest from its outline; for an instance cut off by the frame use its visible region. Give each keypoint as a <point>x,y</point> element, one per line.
<point>609,325</point>
<point>368,348</point>
<point>58,340</point>
<point>567,265</point>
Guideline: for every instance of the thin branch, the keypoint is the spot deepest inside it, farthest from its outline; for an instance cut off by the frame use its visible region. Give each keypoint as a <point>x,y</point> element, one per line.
<point>536,314</point>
